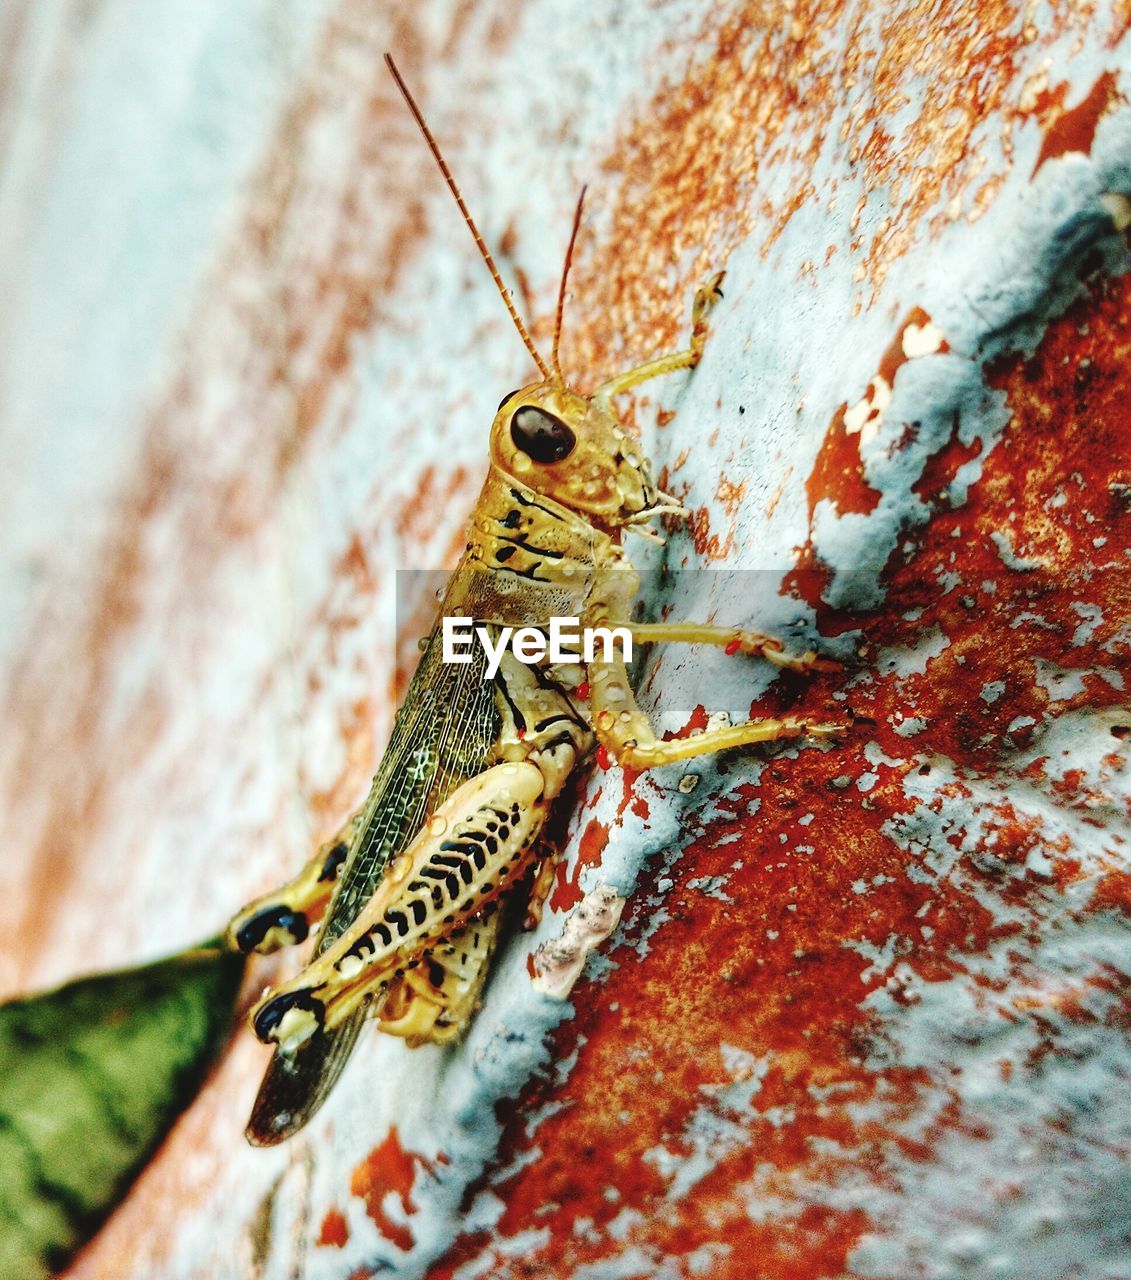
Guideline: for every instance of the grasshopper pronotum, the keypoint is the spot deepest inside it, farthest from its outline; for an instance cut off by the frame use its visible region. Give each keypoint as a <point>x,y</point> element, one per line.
<point>411,886</point>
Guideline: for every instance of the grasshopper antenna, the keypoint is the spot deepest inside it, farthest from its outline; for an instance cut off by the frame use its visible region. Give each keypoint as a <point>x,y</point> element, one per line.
<point>485,253</point>
<point>562,289</point>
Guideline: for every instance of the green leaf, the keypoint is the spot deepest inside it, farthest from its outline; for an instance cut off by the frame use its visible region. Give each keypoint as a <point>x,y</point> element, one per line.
<point>92,1076</point>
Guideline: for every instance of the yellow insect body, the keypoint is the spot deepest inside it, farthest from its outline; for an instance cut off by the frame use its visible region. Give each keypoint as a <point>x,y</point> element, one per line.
<point>415,913</point>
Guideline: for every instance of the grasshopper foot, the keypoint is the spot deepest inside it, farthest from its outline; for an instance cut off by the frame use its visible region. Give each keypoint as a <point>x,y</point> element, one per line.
<point>705,299</point>
<point>288,1019</point>
<point>269,929</point>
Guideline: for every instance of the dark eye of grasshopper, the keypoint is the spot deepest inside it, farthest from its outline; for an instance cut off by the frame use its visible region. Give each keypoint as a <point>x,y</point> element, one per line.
<point>508,396</point>
<point>540,435</point>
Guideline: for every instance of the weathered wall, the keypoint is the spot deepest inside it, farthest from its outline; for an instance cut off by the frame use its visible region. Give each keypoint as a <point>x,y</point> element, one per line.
<point>865,1014</point>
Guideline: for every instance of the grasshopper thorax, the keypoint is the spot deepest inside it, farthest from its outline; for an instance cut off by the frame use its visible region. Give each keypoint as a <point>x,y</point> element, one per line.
<point>573,450</point>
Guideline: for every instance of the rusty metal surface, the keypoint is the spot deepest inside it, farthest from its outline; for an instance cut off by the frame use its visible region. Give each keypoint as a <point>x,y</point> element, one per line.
<point>865,1013</point>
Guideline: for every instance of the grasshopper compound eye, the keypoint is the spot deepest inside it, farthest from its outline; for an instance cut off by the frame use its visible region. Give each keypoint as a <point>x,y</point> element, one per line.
<point>541,436</point>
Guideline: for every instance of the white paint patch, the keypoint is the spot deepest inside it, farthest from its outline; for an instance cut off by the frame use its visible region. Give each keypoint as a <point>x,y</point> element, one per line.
<point>865,417</point>
<point>991,691</point>
<point>1058,682</point>
<point>910,726</point>
<point>1009,557</point>
<point>558,963</point>
<point>899,660</point>
<point>922,340</point>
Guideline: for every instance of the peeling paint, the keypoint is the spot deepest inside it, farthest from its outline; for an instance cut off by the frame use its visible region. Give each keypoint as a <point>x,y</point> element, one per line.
<point>865,1010</point>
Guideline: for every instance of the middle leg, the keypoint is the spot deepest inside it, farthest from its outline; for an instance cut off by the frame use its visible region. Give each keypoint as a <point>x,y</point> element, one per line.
<point>625,732</point>
<point>283,917</point>
<point>733,639</point>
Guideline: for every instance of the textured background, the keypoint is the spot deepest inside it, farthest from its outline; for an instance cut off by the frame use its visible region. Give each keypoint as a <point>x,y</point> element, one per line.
<point>866,1011</point>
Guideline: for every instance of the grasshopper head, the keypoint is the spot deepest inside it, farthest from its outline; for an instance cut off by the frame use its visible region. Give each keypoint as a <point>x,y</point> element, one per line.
<point>573,450</point>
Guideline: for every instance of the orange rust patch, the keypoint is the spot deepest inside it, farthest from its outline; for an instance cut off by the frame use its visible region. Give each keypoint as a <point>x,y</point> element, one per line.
<point>765,973</point>
<point>567,887</point>
<point>766,81</point>
<point>942,467</point>
<point>708,544</point>
<point>1075,129</point>
<point>1113,892</point>
<point>838,472</point>
<point>335,1231</point>
<point>807,859</point>
<point>731,494</point>
<point>388,1168</point>
<point>630,797</point>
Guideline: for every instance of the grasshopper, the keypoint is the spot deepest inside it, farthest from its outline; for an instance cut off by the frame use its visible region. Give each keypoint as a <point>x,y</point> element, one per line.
<point>411,888</point>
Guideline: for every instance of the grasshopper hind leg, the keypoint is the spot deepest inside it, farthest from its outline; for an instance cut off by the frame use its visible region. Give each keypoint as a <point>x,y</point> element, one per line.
<point>474,849</point>
<point>477,844</point>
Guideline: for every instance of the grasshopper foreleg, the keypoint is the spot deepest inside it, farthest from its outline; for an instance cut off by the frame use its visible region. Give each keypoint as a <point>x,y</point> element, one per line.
<point>284,916</point>
<point>705,299</point>
<point>733,639</point>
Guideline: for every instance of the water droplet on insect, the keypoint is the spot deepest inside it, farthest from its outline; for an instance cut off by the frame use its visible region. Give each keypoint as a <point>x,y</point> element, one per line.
<point>521,464</point>
<point>615,694</point>
<point>604,719</point>
<point>438,826</point>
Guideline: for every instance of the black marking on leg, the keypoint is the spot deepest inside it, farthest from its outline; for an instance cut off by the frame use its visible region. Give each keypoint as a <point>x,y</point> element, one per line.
<point>274,1011</point>
<point>333,863</point>
<point>467,846</point>
<point>398,920</point>
<point>260,925</point>
<point>450,879</point>
<point>462,865</point>
<point>545,724</point>
<point>433,890</point>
